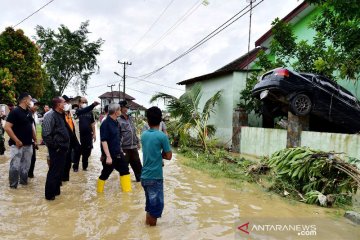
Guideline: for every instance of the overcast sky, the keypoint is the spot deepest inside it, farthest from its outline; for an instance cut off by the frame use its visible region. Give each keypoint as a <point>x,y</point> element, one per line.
<point>122,23</point>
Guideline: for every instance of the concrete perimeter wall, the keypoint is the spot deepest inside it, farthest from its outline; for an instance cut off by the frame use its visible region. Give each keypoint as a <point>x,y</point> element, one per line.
<point>265,141</point>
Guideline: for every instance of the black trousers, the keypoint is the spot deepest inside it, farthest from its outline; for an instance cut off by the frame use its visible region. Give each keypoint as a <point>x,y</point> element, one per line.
<point>73,155</point>
<point>132,157</point>
<point>56,169</point>
<point>119,164</point>
<point>86,147</point>
<point>32,165</point>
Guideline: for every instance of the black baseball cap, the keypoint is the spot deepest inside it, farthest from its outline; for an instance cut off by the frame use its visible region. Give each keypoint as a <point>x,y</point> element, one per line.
<point>66,98</point>
<point>124,103</point>
<point>22,96</point>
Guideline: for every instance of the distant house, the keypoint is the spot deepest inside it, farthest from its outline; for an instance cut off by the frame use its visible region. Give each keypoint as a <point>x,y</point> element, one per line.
<point>111,97</point>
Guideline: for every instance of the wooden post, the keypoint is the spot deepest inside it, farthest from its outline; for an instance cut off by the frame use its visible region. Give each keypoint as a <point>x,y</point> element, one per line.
<point>240,118</point>
<point>296,124</point>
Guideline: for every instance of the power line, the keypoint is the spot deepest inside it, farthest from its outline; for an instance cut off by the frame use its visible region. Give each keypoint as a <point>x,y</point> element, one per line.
<point>175,25</point>
<point>139,80</point>
<point>33,13</point>
<point>105,85</point>
<point>202,41</point>
<point>205,39</point>
<point>149,29</point>
<point>143,80</point>
<point>139,91</point>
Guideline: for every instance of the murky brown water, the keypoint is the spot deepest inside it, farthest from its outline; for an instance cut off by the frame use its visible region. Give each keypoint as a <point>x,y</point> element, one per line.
<point>196,207</point>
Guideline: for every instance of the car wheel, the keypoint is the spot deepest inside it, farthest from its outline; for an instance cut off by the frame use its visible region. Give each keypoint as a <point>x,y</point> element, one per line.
<point>301,105</point>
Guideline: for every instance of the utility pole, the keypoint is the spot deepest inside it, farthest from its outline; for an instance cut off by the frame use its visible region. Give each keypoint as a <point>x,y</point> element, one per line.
<point>124,63</point>
<point>111,86</point>
<point>119,91</point>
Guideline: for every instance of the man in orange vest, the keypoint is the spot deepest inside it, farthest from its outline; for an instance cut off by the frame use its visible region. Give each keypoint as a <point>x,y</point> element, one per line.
<point>74,149</point>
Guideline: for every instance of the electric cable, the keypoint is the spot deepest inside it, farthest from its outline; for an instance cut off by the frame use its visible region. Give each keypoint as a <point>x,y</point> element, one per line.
<point>33,13</point>
<point>205,39</point>
<point>149,29</point>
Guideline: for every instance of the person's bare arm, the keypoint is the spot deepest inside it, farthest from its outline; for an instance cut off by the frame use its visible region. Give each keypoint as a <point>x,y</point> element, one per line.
<point>167,155</point>
<point>107,152</point>
<point>10,132</point>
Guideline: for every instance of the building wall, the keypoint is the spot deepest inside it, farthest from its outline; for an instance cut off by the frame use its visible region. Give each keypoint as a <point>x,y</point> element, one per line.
<point>222,118</point>
<point>231,85</point>
<point>239,84</point>
<point>301,29</point>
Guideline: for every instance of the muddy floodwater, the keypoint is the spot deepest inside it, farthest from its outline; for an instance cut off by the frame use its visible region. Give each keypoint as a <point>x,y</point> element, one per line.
<point>196,207</point>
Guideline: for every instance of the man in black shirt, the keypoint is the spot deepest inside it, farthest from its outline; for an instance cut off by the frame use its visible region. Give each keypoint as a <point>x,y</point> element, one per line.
<point>87,132</point>
<point>19,127</point>
<point>55,133</point>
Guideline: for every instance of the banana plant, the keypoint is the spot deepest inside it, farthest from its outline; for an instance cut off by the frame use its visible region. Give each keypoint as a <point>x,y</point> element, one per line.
<point>186,109</point>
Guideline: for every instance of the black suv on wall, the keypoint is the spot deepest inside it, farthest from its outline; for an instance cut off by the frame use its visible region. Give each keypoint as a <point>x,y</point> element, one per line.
<point>306,93</point>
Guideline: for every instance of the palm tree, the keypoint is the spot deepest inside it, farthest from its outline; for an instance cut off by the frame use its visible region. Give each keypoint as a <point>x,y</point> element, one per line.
<point>186,110</point>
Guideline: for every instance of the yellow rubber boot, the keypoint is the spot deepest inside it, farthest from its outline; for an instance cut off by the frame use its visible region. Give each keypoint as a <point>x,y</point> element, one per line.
<point>125,183</point>
<point>100,185</point>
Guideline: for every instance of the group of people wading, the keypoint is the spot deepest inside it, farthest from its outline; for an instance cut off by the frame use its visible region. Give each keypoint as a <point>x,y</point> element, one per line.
<point>68,131</point>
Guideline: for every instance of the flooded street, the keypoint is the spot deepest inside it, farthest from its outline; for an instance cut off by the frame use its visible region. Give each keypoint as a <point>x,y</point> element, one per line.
<point>196,207</point>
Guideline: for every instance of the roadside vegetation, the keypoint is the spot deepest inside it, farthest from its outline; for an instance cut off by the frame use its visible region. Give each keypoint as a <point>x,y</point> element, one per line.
<point>314,177</point>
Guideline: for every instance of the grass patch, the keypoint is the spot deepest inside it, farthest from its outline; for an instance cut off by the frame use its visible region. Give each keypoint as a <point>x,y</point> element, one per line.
<point>219,164</point>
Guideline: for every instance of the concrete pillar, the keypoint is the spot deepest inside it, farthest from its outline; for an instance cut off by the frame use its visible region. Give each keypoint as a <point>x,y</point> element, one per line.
<point>240,118</point>
<point>296,124</point>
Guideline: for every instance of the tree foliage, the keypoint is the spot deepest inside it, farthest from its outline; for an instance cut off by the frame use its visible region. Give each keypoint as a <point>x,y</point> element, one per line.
<point>187,110</point>
<point>21,64</point>
<point>7,90</point>
<point>339,23</point>
<point>334,51</point>
<point>69,56</point>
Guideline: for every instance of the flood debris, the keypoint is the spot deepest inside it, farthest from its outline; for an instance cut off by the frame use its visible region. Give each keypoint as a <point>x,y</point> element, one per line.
<point>317,177</point>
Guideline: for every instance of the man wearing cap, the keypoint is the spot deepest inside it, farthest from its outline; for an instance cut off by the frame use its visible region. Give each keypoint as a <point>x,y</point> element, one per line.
<point>87,132</point>
<point>19,127</point>
<point>34,106</point>
<point>130,141</point>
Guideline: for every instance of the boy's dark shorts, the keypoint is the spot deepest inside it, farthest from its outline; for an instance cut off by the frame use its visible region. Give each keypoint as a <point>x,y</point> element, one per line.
<point>154,193</point>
